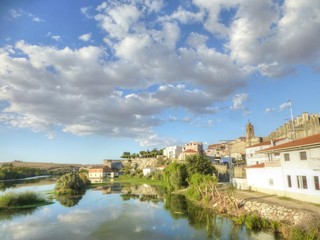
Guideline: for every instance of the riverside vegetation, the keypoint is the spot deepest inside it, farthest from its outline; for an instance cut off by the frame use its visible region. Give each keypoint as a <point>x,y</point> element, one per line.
<point>22,200</point>
<point>9,172</point>
<point>196,180</point>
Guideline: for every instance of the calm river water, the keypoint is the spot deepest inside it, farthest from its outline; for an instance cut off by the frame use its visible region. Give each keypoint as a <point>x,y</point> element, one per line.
<point>146,213</point>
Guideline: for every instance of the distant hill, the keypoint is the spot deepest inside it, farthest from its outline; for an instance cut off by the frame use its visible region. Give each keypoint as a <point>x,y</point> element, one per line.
<point>44,165</point>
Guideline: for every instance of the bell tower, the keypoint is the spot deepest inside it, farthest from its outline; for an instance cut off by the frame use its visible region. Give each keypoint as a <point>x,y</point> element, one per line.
<point>249,134</point>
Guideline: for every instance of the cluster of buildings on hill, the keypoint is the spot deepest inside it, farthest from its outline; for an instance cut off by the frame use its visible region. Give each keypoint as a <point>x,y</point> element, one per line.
<point>286,162</point>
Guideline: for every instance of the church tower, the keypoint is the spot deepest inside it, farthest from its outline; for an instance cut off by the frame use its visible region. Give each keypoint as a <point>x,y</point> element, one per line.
<point>249,134</point>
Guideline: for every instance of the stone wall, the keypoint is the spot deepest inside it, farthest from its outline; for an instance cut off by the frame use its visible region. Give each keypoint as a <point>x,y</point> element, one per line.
<point>276,213</point>
<point>304,125</point>
<point>142,163</point>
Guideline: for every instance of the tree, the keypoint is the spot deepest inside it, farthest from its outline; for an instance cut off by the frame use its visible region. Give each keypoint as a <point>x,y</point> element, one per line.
<point>154,152</point>
<point>126,155</point>
<point>199,164</point>
<point>143,154</point>
<point>175,176</point>
<point>70,183</point>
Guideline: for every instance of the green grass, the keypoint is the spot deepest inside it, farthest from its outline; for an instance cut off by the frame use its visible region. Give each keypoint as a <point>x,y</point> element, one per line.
<point>22,200</point>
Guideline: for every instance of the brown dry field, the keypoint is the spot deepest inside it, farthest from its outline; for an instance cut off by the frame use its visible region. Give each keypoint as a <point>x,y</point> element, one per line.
<point>42,165</point>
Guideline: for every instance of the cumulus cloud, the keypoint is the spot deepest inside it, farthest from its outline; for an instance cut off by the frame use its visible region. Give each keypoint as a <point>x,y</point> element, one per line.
<point>238,101</point>
<point>150,64</point>
<point>85,37</point>
<point>183,16</point>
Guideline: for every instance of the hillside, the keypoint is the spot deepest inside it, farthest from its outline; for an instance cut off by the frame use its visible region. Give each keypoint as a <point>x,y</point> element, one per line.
<point>43,165</point>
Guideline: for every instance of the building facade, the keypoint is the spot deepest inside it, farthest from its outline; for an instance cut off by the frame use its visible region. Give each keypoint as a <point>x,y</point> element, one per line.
<point>293,170</point>
<point>172,152</point>
<point>100,171</point>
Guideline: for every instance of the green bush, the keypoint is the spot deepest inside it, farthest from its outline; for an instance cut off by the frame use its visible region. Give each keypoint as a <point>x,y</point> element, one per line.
<point>12,199</point>
<point>175,176</point>
<point>70,183</point>
<point>199,164</point>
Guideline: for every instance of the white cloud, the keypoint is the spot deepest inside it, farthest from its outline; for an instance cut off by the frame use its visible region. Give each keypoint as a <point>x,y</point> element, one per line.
<point>85,37</point>
<point>119,20</point>
<point>153,140</point>
<point>269,110</point>
<point>56,38</point>
<point>274,70</point>
<point>18,13</point>
<point>238,101</point>
<point>184,16</point>
<point>285,105</point>
<point>83,92</point>
<point>86,12</point>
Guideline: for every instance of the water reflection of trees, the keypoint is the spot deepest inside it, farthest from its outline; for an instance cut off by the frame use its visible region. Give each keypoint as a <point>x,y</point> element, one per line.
<point>6,215</point>
<point>69,200</point>
<point>145,193</point>
<point>200,218</point>
<point>20,183</point>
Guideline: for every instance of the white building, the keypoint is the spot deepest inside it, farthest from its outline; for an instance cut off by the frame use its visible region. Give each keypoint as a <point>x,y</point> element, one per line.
<point>255,156</point>
<point>148,171</point>
<point>293,170</point>
<point>172,152</point>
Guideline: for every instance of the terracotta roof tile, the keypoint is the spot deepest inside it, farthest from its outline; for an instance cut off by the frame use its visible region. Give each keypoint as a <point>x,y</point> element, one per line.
<point>190,151</point>
<point>314,139</point>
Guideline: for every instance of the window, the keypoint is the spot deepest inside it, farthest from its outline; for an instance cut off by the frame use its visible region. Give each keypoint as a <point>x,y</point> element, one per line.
<point>270,181</point>
<point>316,182</point>
<point>302,182</point>
<point>303,155</point>
<point>277,154</point>
<point>289,181</point>
<point>286,157</point>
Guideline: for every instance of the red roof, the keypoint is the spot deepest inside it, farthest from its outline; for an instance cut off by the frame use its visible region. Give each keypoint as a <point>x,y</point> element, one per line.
<point>302,142</point>
<point>260,165</point>
<point>105,167</point>
<point>190,151</point>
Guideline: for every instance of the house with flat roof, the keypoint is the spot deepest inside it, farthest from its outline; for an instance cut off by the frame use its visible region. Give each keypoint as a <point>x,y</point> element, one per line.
<point>172,152</point>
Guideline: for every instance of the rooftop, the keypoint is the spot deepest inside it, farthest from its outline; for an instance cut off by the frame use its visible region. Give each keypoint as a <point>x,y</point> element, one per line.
<point>301,143</point>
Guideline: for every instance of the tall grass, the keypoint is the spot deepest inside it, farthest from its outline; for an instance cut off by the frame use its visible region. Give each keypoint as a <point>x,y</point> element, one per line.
<point>20,199</point>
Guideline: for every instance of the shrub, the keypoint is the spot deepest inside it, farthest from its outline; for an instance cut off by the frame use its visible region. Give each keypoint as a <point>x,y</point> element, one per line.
<point>199,164</point>
<point>70,183</point>
<point>175,176</point>
<point>12,199</point>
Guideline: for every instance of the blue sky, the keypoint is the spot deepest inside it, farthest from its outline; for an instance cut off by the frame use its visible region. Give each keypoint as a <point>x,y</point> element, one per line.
<point>81,81</point>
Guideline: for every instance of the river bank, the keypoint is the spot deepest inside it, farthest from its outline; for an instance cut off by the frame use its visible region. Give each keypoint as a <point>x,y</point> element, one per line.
<point>291,218</point>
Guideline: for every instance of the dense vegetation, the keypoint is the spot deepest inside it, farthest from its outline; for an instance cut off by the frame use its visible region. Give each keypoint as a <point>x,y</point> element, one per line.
<point>21,200</point>
<point>72,183</point>
<point>178,175</point>
<point>143,154</point>
<point>8,172</point>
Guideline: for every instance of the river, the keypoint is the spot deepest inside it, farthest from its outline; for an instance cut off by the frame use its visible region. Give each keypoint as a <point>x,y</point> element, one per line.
<point>146,213</point>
